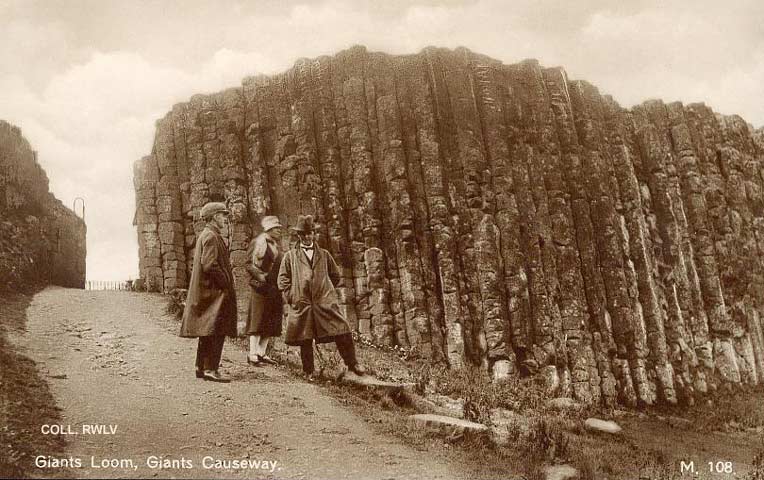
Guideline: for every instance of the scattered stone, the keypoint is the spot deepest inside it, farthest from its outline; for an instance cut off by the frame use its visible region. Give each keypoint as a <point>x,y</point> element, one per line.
<point>59,376</point>
<point>425,405</point>
<point>563,404</point>
<point>560,472</point>
<point>605,426</point>
<point>454,406</point>
<point>447,425</point>
<point>501,370</point>
<point>678,422</point>
<point>372,382</point>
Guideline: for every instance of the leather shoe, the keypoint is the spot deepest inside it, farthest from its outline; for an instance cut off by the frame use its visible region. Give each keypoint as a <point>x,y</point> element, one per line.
<point>254,363</point>
<point>200,374</point>
<point>215,376</point>
<point>358,369</point>
<point>267,360</point>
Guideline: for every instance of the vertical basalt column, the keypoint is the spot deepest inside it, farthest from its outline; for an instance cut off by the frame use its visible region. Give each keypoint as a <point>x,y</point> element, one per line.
<point>329,170</point>
<point>258,180</point>
<point>740,266</point>
<point>536,143</point>
<point>662,288</point>
<point>629,331</point>
<point>197,185</point>
<point>675,268</point>
<point>427,186</point>
<point>735,242</point>
<point>168,201</point>
<point>588,352</point>
<point>300,89</point>
<point>361,197</point>
<point>739,137</point>
<point>415,321</point>
<point>400,216</point>
<point>351,232</point>
<point>145,178</point>
<point>673,252</point>
<point>538,327</point>
<point>720,351</point>
<point>467,176</point>
<point>501,252</point>
<point>410,219</point>
<point>230,122</point>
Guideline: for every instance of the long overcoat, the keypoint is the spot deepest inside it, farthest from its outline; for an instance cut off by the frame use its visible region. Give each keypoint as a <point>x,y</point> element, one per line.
<point>211,301</point>
<point>311,301</point>
<point>266,307</point>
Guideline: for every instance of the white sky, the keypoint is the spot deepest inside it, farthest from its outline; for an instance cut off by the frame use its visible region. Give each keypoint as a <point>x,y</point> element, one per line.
<point>86,80</point>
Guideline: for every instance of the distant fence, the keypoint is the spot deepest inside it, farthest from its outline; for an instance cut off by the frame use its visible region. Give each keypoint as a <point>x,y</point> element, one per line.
<point>109,285</point>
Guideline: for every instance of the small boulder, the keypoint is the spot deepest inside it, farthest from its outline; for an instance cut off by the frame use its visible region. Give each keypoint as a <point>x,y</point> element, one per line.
<point>605,426</point>
<point>372,382</point>
<point>560,472</point>
<point>447,425</point>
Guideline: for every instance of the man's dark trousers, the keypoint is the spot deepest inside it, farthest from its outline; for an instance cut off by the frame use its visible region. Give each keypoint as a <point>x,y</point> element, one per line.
<point>208,352</point>
<point>345,347</point>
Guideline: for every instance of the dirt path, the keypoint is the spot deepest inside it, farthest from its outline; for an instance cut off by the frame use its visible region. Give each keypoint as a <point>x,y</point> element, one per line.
<point>111,362</point>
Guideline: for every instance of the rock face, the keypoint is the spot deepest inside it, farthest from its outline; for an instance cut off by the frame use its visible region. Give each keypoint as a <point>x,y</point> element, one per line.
<point>499,215</point>
<point>41,241</point>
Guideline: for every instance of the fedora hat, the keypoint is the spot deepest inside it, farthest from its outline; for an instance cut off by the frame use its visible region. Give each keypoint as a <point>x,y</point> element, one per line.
<point>270,222</point>
<point>304,224</point>
<point>211,208</point>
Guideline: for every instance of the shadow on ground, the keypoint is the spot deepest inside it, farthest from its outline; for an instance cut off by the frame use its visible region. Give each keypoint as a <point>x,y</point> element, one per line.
<point>26,402</point>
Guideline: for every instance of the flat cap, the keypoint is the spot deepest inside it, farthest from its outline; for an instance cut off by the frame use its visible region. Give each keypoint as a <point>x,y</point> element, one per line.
<point>211,208</point>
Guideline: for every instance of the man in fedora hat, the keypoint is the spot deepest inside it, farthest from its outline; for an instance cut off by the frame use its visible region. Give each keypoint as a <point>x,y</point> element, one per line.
<point>306,280</point>
<point>210,312</point>
<point>265,305</point>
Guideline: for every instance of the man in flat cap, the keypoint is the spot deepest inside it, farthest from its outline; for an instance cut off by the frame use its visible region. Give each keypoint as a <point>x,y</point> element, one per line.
<point>210,312</point>
<point>307,278</point>
<point>265,305</point>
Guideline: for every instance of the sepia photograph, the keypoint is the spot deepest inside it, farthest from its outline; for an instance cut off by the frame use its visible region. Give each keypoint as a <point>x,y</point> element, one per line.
<point>382,240</point>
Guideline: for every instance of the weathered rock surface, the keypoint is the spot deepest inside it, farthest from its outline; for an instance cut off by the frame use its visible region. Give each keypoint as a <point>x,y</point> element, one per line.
<point>605,426</point>
<point>369,381</point>
<point>41,241</point>
<point>499,215</point>
<point>447,425</point>
<point>560,472</point>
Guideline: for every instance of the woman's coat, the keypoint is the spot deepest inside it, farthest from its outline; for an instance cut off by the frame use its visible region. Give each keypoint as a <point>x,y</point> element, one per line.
<point>265,304</point>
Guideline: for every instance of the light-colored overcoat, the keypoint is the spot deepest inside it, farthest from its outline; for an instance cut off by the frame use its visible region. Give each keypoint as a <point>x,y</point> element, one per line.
<point>211,302</point>
<point>310,298</point>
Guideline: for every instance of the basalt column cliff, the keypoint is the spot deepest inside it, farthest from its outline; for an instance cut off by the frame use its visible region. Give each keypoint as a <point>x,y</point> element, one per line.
<point>41,241</point>
<point>499,215</point>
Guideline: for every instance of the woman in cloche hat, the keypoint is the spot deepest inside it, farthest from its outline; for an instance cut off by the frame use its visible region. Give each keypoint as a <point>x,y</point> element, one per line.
<point>265,305</point>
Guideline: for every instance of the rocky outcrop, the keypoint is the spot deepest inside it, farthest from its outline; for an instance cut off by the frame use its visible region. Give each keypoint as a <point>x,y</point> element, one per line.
<point>41,241</point>
<point>499,215</point>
